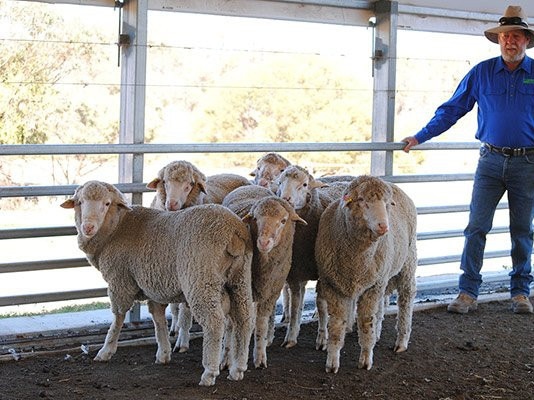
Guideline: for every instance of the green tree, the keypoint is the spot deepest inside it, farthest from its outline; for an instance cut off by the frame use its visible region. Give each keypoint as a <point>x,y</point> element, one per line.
<point>58,84</point>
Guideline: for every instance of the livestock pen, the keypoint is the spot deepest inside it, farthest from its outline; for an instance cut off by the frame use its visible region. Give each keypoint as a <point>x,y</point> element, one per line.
<point>42,269</point>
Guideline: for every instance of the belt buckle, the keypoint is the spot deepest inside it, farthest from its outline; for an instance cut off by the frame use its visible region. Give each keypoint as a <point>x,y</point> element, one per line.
<point>507,151</point>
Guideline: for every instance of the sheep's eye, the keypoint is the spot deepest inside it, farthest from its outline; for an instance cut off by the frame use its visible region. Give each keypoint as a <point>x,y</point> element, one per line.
<point>305,185</point>
<point>108,203</point>
<point>282,170</point>
<point>360,199</point>
<point>283,221</point>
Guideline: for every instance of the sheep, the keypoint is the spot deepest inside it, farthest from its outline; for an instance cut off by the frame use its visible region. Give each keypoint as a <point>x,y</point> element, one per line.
<point>272,225</point>
<point>179,185</point>
<point>303,192</point>
<point>219,185</point>
<point>268,167</point>
<point>366,249</point>
<point>201,255</point>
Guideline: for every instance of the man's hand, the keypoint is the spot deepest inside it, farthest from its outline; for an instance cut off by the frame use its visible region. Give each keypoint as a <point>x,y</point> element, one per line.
<point>410,141</point>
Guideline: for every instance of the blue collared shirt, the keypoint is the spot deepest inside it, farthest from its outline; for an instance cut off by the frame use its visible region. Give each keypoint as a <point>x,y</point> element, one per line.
<point>505,105</point>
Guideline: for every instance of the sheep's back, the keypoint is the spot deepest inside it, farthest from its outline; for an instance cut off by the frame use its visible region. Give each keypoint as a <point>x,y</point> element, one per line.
<point>161,250</point>
<point>220,185</point>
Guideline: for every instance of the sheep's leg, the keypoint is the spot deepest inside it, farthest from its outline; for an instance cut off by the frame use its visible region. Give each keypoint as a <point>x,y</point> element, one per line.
<point>406,295</point>
<point>270,334</point>
<point>174,309</point>
<point>368,308</point>
<point>210,315</point>
<point>260,341</point>
<point>228,334</point>
<point>184,324</point>
<point>295,313</point>
<point>322,311</point>
<point>112,338</point>
<point>382,305</point>
<point>157,310</point>
<point>286,299</point>
<point>264,314</point>
<point>242,315</point>
<point>351,315</point>
<point>337,327</point>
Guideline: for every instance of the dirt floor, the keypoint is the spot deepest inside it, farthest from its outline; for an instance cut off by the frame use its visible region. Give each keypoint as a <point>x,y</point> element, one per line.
<point>488,354</point>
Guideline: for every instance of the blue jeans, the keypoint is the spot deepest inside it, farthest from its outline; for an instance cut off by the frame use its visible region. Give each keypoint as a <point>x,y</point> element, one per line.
<point>496,174</point>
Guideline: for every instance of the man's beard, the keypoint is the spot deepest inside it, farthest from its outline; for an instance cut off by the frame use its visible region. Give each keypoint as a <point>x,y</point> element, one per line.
<point>513,58</point>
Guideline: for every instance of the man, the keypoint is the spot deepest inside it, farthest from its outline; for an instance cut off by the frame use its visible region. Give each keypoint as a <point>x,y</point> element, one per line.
<point>503,88</point>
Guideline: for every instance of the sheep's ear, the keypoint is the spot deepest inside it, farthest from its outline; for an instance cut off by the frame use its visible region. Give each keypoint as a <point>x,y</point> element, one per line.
<point>318,184</point>
<point>122,202</point>
<point>153,184</point>
<point>69,203</point>
<point>346,199</point>
<point>202,187</point>
<point>295,217</point>
<point>124,205</point>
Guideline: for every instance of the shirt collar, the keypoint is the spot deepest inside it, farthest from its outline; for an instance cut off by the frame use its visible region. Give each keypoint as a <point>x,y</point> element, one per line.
<point>525,65</point>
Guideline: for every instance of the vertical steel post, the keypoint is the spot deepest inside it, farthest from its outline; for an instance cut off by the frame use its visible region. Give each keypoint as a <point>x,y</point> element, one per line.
<point>384,69</point>
<point>133,44</point>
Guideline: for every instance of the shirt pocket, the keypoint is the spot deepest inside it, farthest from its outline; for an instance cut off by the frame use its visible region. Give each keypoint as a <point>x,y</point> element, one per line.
<point>526,97</point>
<point>494,99</point>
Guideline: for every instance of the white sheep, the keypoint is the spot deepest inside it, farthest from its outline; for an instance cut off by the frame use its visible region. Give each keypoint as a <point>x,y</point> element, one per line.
<point>365,249</point>
<point>303,192</point>
<point>179,185</point>
<point>272,226</point>
<point>268,168</point>
<point>201,255</point>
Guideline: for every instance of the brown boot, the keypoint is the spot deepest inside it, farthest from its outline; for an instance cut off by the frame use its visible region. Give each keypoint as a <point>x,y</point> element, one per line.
<point>462,304</point>
<point>521,304</point>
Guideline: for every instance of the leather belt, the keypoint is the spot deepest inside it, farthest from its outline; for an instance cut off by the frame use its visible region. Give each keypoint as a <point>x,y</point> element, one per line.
<point>510,151</point>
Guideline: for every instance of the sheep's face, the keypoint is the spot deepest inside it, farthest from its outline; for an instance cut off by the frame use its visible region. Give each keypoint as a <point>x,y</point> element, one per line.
<point>91,203</point>
<point>177,192</point>
<point>369,202</point>
<point>175,182</point>
<point>295,185</point>
<point>268,169</point>
<point>270,217</point>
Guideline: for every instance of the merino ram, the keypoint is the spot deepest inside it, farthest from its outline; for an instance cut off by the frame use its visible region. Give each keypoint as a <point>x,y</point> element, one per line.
<point>366,249</point>
<point>272,226</point>
<point>201,255</point>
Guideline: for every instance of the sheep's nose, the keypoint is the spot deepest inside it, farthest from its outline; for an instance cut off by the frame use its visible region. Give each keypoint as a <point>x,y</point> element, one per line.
<point>172,205</point>
<point>263,182</point>
<point>382,228</point>
<point>264,244</point>
<point>88,229</point>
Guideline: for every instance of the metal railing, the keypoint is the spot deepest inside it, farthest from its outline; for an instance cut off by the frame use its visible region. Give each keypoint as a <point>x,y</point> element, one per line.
<point>140,187</point>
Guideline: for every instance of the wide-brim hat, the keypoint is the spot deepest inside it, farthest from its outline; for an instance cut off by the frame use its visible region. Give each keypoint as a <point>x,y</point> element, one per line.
<point>514,18</point>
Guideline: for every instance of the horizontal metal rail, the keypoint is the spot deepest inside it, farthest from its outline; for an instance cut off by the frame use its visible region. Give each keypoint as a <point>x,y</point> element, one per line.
<point>458,257</point>
<point>29,233</point>
<point>67,190</point>
<point>56,149</point>
<point>25,266</point>
<point>53,296</point>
